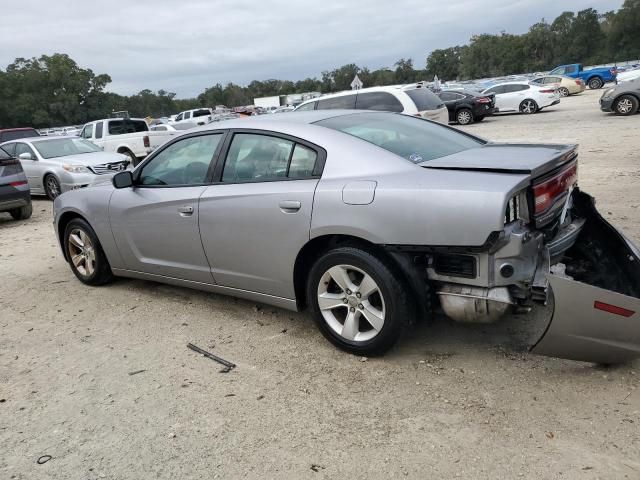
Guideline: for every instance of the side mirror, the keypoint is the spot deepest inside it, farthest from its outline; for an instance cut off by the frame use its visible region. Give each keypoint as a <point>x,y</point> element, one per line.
<point>26,156</point>
<point>123,179</point>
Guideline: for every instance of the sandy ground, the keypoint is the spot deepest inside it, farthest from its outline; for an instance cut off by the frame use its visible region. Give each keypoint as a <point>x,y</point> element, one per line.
<point>450,401</point>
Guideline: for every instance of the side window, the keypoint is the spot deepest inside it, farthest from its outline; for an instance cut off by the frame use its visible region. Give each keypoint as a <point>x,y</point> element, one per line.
<point>185,162</point>
<point>378,101</point>
<point>256,158</point>
<point>24,148</point>
<point>446,96</point>
<point>87,131</point>
<point>498,89</point>
<point>303,161</point>
<point>99,130</point>
<point>515,88</point>
<point>307,106</point>
<point>540,80</point>
<point>458,96</point>
<point>559,71</point>
<point>335,103</point>
<point>159,129</point>
<point>178,118</point>
<point>10,148</point>
<point>570,69</point>
<point>187,115</point>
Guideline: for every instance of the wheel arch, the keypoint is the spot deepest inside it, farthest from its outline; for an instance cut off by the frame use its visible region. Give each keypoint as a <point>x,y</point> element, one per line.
<point>63,221</point>
<point>313,249</point>
<point>625,94</point>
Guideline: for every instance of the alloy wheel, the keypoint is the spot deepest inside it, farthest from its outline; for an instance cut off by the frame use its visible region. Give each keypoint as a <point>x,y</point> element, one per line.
<point>52,186</point>
<point>624,106</point>
<point>528,106</point>
<point>351,303</point>
<point>464,117</point>
<point>82,252</point>
<point>564,92</point>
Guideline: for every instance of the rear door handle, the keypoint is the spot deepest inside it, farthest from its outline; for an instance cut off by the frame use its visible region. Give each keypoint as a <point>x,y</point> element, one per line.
<point>185,211</point>
<point>290,206</point>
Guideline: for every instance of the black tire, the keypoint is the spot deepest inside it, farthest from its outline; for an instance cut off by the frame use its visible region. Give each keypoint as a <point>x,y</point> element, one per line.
<point>397,307</point>
<point>529,106</point>
<point>564,92</point>
<point>51,186</point>
<point>22,213</point>
<point>132,158</point>
<point>101,271</point>
<point>626,105</point>
<point>464,116</point>
<point>480,118</point>
<point>595,83</point>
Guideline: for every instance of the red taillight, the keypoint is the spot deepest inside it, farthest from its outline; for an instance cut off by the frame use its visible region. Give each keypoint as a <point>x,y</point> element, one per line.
<point>579,82</point>
<point>547,90</point>
<point>607,307</point>
<point>483,100</point>
<point>18,183</point>
<point>146,142</point>
<point>545,193</point>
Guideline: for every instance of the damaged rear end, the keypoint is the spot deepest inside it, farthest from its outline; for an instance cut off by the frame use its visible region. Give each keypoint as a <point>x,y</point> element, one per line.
<point>555,248</point>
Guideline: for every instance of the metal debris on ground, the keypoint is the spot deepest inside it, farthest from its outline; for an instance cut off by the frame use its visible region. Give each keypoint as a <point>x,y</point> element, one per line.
<point>136,372</point>
<point>43,459</point>
<point>227,364</point>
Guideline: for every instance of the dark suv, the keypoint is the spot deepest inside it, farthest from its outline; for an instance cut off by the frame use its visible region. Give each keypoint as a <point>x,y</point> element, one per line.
<point>466,107</point>
<point>15,196</point>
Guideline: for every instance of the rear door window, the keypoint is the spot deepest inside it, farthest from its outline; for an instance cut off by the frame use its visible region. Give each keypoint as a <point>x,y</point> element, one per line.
<point>99,127</point>
<point>24,148</point>
<point>515,88</point>
<point>378,101</point>
<point>201,113</point>
<point>307,106</point>
<point>424,99</point>
<point>571,69</point>
<point>121,127</point>
<point>336,103</point>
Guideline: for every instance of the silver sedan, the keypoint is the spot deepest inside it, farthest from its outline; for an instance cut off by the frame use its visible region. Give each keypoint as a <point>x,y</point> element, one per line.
<point>55,165</point>
<point>370,220</point>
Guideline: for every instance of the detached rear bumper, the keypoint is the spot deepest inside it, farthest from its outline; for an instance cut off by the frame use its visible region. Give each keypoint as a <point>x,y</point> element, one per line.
<point>596,314</point>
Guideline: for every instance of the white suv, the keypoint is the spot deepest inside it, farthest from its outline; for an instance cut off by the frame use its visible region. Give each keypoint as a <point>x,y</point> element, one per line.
<point>414,99</point>
<point>198,116</point>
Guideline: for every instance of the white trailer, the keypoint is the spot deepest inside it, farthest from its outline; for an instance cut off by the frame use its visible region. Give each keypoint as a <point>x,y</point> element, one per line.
<point>267,102</point>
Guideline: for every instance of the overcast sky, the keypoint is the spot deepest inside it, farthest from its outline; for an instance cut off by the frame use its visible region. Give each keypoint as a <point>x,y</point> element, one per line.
<point>185,46</point>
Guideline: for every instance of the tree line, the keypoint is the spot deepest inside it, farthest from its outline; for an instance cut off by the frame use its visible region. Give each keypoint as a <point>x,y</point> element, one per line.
<point>54,90</point>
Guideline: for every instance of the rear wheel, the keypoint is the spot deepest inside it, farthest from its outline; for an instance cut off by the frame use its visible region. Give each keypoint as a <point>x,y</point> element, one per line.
<point>480,118</point>
<point>84,252</point>
<point>51,186</point>
<point>626,105</point>
<point>528,106</point>
<point>595,83</point>
<point>22,213</point>
<point>464,116</point>
<point>358,301</point>
<point>563,91</point>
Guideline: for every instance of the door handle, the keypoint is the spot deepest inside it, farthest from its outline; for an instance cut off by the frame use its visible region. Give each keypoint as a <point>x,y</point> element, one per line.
<point>290,206</point>
<point>185,211</point>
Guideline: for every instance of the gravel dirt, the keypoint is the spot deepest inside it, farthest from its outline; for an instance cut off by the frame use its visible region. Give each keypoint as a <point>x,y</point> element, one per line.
<point>101,380</point>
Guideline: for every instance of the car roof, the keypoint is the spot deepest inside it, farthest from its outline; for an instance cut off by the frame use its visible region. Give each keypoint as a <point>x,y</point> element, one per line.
<point>385,88</point>
<point>18,129</point>
<point>43,138</point>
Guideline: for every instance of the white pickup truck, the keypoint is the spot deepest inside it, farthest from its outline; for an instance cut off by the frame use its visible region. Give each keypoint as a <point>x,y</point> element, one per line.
<point>198,116</point>
<point>129,136</point>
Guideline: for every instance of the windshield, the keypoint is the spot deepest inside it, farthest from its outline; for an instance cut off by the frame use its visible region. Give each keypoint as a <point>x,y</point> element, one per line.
<point>412,138</point>
<point>64,146</point>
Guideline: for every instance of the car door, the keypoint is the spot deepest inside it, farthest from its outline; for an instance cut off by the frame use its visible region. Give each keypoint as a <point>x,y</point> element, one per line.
<point>155,222</point>
<point>255,219</point>
<point>501,99</point>
<point>30,165</point>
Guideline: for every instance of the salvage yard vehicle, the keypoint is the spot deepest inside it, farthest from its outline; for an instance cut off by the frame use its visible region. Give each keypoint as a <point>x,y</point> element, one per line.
<point>128,136</point>
<point>414,99</point>
<point>566,86</point>
<point>55,165</point>
<point>623,99</point>
<point>198,116</point>
<point>7,134</point>
<point>466,107</point>
<point>523,97</point>
<point>594,78</point>
<point>366,218</point>
<point>14,189</point>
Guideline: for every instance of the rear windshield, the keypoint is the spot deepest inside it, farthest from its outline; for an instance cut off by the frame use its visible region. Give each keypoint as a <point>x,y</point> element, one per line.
<point>64,146</point>
<point>412,138</point>
<point>120,127</point>
<point>201,113</point>
<point>16,134</point>
<point>424,99</point>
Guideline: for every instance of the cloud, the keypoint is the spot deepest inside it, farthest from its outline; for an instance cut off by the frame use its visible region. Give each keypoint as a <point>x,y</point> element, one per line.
<point>186,46</point>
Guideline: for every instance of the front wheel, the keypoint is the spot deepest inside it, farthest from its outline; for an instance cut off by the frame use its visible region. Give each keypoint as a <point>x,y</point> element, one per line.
<point>626,105</point>
<point>358,301</point>
<point>528,106</point>
<point>595,83</point>
<point>464,116</point>
<point>51,187</point>
<point>85,255</point>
